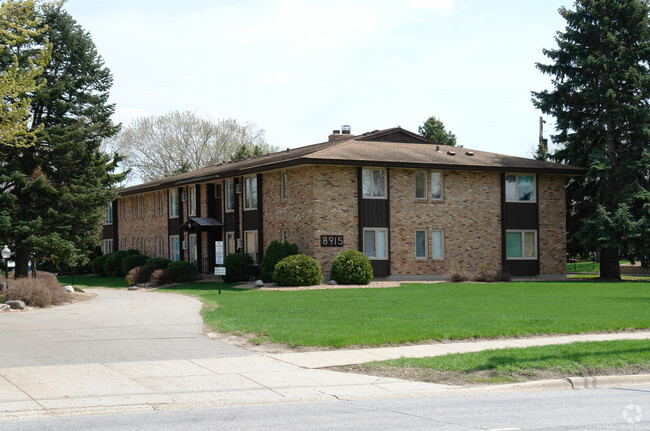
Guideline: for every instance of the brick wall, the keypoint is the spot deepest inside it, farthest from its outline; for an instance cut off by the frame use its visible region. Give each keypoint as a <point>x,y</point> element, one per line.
<point>148,226</point>
<point>552,224</point>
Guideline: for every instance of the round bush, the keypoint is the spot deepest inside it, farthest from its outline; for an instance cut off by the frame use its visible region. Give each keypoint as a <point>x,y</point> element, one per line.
<point>297,270</point>
<point>113,263</point>
<point>183,271</point>
<point>153,264</point>
<point>274,253</point>
<point>352,267</point>
<point>130,262</point>
<point>237,267</point>
<point>98,263</point>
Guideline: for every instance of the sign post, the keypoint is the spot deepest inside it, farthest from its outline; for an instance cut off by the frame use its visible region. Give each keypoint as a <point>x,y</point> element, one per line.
<point>218,257</point>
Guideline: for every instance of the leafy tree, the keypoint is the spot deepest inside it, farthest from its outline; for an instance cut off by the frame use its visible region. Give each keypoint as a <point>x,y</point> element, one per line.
<point>181,142</point>
<point>52,194</point>
<point>434,129</point>
<point>601,79</point>
<point>19,28</point>
<point>247,149</point>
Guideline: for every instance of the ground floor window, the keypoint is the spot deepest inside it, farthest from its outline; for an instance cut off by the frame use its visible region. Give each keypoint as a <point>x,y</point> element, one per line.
<point>230,243</point>
<point>174,248</point>
<point>160,246</point>
<point>521,244</point>
<point>375,243</point>
<point>123,244</point>
<point>107,246</point>
<point>250,243</point>
<point>193,248</point>
<point>420,244</point>
<point>285,236</point>
<point>438,244</point>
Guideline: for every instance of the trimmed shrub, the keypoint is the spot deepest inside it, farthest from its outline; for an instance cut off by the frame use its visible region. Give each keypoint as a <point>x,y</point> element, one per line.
<point>298,270</point>
<point>98,263</point>
<point>113,263</point>
<point>457,276</point>
<point>489,274</point>
<point>274,253</point>
<point>160,276</point>
<point>135,276</point>
<point>153,264</point>
<point>183,271</point>
<point>130,262</point>
<point>42,291</point>
<point>352,267</point>
<point>237,267</point>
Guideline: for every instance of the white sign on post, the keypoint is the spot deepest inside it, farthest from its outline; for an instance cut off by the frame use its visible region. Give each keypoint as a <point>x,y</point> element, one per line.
<point>220,270</point>
<point>218,252</point>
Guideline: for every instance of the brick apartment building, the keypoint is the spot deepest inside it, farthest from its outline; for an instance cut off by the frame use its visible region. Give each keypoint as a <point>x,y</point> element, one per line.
<point>415,208</point>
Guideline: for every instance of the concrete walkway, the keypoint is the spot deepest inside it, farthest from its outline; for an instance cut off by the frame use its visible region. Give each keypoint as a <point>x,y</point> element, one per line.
<point>272,378</point>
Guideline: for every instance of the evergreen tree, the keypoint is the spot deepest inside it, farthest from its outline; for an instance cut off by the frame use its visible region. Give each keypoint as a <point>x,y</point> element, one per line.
<point>434,129</point>
<point>601,78</point>
<point>53,193</point>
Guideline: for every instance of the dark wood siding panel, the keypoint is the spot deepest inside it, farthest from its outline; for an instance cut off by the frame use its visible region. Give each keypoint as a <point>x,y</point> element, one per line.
<point>375,213</point>
<point>209,192</point>
<point>230,222</point>
<point>521,216</point>
<point>198,201</point>
<point>218,207</point>
<point>260,219</point>
<point>250,220</point>
<point>174,226</point>
<point>380,268</point>
<point>522,267</point>
<point>107,231</point>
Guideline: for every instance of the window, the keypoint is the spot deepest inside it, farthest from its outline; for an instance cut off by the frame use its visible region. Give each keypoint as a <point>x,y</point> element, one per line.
<point>108,213</point>
<point>285,236</point>
<point>250,241</point>
<point>191,200</point>
<point>375,243</point>
<point>250,193</point>
<point>421,243</point>
<point>174,248</point>
<point>521,244</point>
<point>438,244</point>
<point>107,246</point>
<point>420,185</point>
<point>230,195</point>
<point>160,246</point>
<point>123,244</point>
<point>520,188</point>
<point>230,243</point>
<point>436,186</point>
<point>283,186</point>
<point>173,203</point>
<point>373,183</point>
<point>193,248</point>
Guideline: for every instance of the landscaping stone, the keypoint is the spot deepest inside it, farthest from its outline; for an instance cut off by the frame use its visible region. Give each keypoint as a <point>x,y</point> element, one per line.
<point>332,283</point>
<point>4,307</point>
<point>68,288</point>
<point>259,283</point>
<point>133,288</point>
<point>16,304</point>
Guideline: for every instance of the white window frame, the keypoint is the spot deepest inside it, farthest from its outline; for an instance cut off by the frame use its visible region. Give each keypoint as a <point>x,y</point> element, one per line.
<point>230,248</point>
<point>426,244</point>
<point>283,186</point>
<point>191,200</point>
<point>174,248</point>
<point>434,255</point>
<point>442,186</point>
<point>284,236</point>
<point>386,247</point>
<point>108,213</point>
<point>193,248</point>
<point>371,194</point>
<point>107,246</point>
<point>415,184</point>
<point>124,244</point>
<point>517,200</point>
<point>160,246</point>
<point>173,203</point>
<point>523,233</point>
<point>250,198</point>
<point>229,196</point>
<point>254,253</point>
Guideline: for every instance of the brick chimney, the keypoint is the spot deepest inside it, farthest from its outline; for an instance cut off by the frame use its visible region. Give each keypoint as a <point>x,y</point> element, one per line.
<point>344,133</point>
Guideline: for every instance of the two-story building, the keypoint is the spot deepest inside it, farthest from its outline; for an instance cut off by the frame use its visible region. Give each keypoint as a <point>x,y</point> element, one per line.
<point>415,208</point>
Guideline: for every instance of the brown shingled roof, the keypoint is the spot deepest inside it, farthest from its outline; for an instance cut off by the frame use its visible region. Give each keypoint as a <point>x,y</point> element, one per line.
<point>395,147</point>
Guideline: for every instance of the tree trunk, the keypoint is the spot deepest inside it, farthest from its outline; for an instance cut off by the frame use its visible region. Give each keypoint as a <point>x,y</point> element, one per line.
<point>609,266</point>
<point>22,263</point>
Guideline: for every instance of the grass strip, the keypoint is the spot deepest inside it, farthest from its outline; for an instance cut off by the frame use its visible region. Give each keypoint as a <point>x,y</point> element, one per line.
<point>90,280</point>
<point>520,364</point>
<point>423,312</point>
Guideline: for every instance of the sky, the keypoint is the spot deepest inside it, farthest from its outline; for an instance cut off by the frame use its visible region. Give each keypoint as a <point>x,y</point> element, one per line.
<point>300,69</point>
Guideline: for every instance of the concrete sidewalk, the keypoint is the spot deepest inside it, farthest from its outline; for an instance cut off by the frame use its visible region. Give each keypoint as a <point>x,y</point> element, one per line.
<point>273,378</point>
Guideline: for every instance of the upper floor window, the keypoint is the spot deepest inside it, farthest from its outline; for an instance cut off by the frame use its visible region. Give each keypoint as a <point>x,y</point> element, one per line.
<point>373,183</point>
<point>250,193</point>
<point>436,186</point>
<point>421,185</point>
<point>283,186</point>
<point>158,203</point>
<point>230,195</point>
<point>108,213</point>
<point>173,203</point>
<point>191,200</point>
<point>520,188</point>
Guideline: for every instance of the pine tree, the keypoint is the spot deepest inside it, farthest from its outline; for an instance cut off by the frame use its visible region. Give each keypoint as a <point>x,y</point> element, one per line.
<point>53,193</point>
<point>601,78</point>
<point>434,129</point>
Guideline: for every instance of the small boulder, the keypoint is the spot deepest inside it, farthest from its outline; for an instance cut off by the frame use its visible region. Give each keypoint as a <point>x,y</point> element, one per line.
<point>68,288</point>
<point>259,283</point>
<point>133,287</point>
<point>4,307</point>
<point>333,283</point>
<point>16,304</point>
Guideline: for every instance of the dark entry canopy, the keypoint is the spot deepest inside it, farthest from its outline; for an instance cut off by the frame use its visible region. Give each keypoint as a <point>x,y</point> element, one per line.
<point>201,224</point>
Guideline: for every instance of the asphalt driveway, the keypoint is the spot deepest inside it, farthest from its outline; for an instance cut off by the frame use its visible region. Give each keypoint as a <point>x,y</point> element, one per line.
<point>115,326</point>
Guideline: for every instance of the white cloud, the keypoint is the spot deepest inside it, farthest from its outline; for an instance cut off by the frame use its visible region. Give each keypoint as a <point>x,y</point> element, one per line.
<point>441,5</point>
<point>272,78</point>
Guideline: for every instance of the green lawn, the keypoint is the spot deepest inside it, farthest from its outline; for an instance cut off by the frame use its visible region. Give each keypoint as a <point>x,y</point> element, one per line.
<point>508,365</point>
<point>90,280</point>
<point>585,266</point>
<point>420,312</point>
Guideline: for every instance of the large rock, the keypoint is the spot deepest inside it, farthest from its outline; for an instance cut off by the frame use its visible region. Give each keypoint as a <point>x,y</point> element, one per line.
<point>68,288</point>
<point>4,307</point>
<point>259,283</point>
<point>16,304</point>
